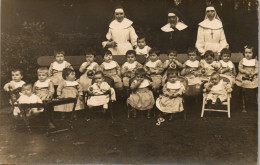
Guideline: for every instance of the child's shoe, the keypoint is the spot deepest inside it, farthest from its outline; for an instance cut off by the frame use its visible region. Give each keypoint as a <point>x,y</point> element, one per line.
<point>218,103</point>
<point>16,111</point>
<point>171,117</point>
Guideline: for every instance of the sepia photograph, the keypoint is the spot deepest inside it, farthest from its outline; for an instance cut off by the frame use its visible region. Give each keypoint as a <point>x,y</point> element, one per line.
<point>129,82</point>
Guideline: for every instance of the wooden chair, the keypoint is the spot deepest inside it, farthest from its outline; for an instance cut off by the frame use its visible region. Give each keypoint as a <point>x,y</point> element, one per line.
<point>225,103</point>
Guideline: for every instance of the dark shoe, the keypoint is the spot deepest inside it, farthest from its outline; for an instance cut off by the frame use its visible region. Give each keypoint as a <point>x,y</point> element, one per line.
<point>171,117</point>
<point>218,103</point>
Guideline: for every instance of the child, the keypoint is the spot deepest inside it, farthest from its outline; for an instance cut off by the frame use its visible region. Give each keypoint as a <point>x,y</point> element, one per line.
<point>171,100</point>
<point>142,97</point>
<point>27,97</point>
<point>99,92</point>
<point>111,69</point>
<point>142,48</point>
<point>69,88</point>
<point>55,70</point>
<point>171,63</point>
<point>154,69</point>
<point>217,90</point>
<point>43,87</point>
<point>227,67</point>
<point>208,65</point>
<point>247,77</point>
<point>129,67</point>
<point>87,66</point>
<point>14,87</point>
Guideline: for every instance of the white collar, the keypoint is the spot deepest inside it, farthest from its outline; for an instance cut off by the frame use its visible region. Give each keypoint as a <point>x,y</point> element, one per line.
<point>180,26</point>
<point>71,83</point>
<point>126,23</point>
<point>144,84</point>
<point>247,62</point>
<point>226,64</point>
<point>214,24</point>
<point>176,85</point>
<point>110,65</point>
<point>193,64</point>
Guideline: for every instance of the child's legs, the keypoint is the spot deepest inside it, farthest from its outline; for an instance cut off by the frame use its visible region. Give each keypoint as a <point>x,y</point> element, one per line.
<point>251,98</point>
<point>126,81</point>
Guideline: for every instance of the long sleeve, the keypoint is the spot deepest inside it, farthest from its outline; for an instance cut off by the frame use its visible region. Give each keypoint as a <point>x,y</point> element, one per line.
<point>60,87</point>
<point>223,42</point>
<point>102,68</point>
<point>34,87</point>
<point>96,68</point>
<point>51,88</point>
<point>118,69</point>
<point>83,66</point>
<point>200,43</point>
<point>68,65</point>
<point>159,67</point>
<point>51,70</point>
<point>124,70</point>
<point>138,65</point>
<point>109,38</point>
<point>166,64</point>
<point>6,87</point>
<point>241,68</point>
<point>80,90</point>
<point>133,36</point>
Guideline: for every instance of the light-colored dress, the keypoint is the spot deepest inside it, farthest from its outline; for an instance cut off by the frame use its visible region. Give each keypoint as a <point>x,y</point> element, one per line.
<point>112,70</point>
<point>191,76</point>
<point>171,105</point>
<point>211,36</point>
<point>43,89</point>
<point>101,97</point>
<point>24,99</point>
<point>242,79</point>
<point>231,73</point>
<point>209,69</point>
<point>130,69</point>
<point>121,33</point>
<point>142,98</point>
<point>156,77</point>
<point>144,51</point>
<point>84,81</point>
<point>16,89</point>
<point>170,65</point>
<point>55,71</point>
<point>69,89</point>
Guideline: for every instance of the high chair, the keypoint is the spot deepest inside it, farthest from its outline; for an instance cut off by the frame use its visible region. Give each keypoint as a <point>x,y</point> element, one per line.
<point>86,95</point>
<point>225,103</point>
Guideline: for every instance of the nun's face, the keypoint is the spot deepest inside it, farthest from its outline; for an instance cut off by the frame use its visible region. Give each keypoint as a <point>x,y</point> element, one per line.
<point>173,19</point>
<point>211,14</point>
<point>119,16</point>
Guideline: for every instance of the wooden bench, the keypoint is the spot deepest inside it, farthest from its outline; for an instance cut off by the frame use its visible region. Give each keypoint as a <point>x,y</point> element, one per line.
<point>76,61</point>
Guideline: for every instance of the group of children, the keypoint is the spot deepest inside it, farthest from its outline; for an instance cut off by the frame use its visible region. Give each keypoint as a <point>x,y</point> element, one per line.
<point>154,83</point>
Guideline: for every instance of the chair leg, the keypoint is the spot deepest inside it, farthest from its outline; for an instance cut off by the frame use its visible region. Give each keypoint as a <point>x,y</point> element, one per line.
<point>72,115</point>
<point>26,120</point>
<point>203,107</point>
<point>228,106</point>
<point>243,100</point>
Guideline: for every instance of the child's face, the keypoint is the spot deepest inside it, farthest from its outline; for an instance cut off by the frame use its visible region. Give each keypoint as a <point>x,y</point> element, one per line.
<point>108,57</point>
<point>98,78</point>
<point>27,90</point>
<point>71,77</point>
<point>248,54</point>
<point>17,76</point>
<point>225,57</point>
<point>141,43</point>
<point>42,76</point>
<point>90,58</point>
<point>172,78</point>
<point>209,59</point>
<point>59,58</point>
<point>131,58</point>
<point>192,56</point>
<point>153,57</point>
<point>139,77</point>
<point>172,56</point>
<point>215,79</point>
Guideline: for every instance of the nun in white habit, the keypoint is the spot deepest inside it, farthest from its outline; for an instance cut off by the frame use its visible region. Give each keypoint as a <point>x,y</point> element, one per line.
<point>211,34</point>
<point>121,35</point>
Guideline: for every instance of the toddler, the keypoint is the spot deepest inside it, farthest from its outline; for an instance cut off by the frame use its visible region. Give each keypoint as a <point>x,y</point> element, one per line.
<point>154,69</point>
<point>14,87</point>
<point>129,67</point>
<point>227,68</point>
<point>90,65</point>
<point>141,97</point>
<point>43,87</point>
<point>171,101</point>
<point>142,48</point>
<point>217,90</point>
<point>99,92</point>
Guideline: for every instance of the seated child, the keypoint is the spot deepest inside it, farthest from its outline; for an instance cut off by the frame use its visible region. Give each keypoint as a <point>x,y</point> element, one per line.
<point>217,90</point>
<point>43,87</point>
<point>142,48</point>
<point>89,65</point>
<point>14,87</point>
<point>141,97</point>
<point>208,65</point>
<point>55,70</point>
<point>69,88</point>
<point>227,68</point>
<point>154,69</point>
<point>171,63</point>
<point>99,92</point>
<point>27,97</point>
<point>129,67</point>
<point>171,100</point>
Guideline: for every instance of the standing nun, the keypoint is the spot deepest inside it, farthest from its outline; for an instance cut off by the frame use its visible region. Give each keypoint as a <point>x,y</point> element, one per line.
<point>121,35</point>
<point>211,34</point>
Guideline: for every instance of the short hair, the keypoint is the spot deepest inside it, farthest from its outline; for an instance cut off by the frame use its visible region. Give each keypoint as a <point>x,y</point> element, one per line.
<point>59,52</point>
<point>89,51</point>
<point>42,70</point>
<point>105,52</point>
<point>225,51</point>
<point>215,74</point>
<point>209,53</point>
<point>250,47</point>
<point>90,73</point>
<point>27,85</point>
<point>17,70</point>
<point>130,52</point>
<point>155,50</point>
<point>171,51</point>
<point>140,71</point>
<point>172,71</point>
<point>140,37</point>
<point>66,72</point>
<point>99,72</point>
<point>192,50</point>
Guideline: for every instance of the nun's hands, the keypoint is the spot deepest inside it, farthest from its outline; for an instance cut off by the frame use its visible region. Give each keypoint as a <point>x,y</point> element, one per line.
<point>111,44</point>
